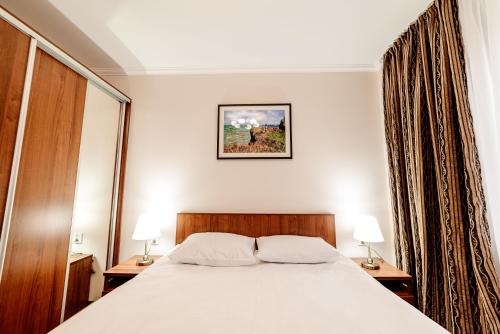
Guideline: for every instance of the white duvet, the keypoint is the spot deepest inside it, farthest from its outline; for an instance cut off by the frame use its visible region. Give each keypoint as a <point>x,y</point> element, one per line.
<point>265,298</point>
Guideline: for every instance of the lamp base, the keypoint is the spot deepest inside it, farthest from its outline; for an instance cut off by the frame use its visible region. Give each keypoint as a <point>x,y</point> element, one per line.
<point>370,266</point>
<point>144,261</point>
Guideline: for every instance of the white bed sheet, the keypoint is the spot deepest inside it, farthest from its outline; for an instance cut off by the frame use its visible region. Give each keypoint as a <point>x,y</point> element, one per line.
<point>261,299</point>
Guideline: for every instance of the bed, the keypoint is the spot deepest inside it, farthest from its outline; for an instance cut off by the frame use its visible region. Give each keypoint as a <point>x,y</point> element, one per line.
<point>336,297</point>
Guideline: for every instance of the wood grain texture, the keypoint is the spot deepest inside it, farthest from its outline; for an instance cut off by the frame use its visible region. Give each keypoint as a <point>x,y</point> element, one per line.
<point>385,272</point>
<point>77,295</point>
<point>129,267</point>
<point>32,286</point>
<point>67,53</point>
<point>257,225</point>
<point>123,164</point>
<point>14,51</point>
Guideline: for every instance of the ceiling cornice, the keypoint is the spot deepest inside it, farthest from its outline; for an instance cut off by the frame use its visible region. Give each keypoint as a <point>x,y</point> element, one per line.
<point>242,70</point>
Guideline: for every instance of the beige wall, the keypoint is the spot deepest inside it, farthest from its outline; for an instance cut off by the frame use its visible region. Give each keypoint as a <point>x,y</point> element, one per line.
<point>339,162</point>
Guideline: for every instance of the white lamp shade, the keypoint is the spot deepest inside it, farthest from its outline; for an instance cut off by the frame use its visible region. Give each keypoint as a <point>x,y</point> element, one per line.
<point>368,230</point>
<point>146,228</point>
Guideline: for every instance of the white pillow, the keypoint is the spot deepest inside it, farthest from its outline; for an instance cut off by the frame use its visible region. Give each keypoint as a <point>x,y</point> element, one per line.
<point>215,249</point>
<point>295,249</point>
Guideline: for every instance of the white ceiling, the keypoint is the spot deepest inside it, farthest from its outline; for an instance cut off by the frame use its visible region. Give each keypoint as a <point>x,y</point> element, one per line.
<point>202,36</point>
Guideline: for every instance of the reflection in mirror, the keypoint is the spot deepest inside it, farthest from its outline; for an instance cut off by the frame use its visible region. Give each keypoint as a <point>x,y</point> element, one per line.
<point>94,198</point>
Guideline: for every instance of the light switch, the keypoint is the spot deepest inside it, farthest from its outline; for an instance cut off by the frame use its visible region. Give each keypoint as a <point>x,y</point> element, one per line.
<point>77,238</point>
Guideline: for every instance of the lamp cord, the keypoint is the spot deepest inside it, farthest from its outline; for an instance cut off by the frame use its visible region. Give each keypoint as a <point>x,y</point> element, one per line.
<point>363,244</point>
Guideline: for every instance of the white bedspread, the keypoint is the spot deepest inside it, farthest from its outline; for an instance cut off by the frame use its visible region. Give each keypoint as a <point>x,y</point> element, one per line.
<point>266,298</point>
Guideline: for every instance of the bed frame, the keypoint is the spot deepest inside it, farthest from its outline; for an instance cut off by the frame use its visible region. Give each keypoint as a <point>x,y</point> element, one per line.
<point>257,225</point>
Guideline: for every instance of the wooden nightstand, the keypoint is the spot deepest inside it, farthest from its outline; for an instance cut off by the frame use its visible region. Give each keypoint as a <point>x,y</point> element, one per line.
<point>122,273</point>
<point>393,279</point>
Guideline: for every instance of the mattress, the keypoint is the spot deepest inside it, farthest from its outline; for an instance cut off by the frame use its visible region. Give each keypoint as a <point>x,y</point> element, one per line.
<point>265,298</point>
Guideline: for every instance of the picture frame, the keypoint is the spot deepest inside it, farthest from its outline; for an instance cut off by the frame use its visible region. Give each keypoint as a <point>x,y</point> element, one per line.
<point>254,131</point>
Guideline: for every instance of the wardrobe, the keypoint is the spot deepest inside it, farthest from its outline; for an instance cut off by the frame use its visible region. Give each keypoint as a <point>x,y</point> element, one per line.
<point>63,137</point>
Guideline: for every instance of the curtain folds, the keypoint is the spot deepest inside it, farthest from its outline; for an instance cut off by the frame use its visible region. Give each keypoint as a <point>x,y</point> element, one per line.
<point>441,232</point>
<point>480,22</point>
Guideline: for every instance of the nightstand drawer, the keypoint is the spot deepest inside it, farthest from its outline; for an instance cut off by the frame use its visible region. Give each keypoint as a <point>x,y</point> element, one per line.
<point>112,282</point>
<point>395,280</point>
<point>397,286</point>
<point>409,298</point>
<point>122,273</point>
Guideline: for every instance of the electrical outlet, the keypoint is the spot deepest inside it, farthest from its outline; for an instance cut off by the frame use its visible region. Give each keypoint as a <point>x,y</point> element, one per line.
<point>155,242</point>
<point>77,238</point>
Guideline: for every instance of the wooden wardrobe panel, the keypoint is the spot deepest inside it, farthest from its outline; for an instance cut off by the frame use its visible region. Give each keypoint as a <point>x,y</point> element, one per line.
<point>14,51</point>
<point>31,290</point>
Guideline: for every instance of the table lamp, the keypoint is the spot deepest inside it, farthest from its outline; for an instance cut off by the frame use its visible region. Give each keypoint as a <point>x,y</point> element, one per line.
<point>146,229</point>
<point>367,230</point>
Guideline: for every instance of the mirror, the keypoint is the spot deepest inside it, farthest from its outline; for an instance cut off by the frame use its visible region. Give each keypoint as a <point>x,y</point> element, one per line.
<point>93,220</point>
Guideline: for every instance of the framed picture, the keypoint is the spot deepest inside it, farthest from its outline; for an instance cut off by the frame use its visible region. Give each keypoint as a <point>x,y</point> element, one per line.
<point>254,131</point>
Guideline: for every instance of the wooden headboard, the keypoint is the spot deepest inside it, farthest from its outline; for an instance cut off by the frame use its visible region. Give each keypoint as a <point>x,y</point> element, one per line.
<point>257,225</point>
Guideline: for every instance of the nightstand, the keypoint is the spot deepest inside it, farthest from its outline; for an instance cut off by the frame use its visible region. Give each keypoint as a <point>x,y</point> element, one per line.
<point>392,278</point>
<point>122,273</point>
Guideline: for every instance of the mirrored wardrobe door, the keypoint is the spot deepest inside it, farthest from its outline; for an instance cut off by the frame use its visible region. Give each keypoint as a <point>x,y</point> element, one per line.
<point>92,222</point>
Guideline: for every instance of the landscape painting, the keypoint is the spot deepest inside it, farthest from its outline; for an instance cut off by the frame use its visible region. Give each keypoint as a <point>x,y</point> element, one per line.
<point>254,131</point>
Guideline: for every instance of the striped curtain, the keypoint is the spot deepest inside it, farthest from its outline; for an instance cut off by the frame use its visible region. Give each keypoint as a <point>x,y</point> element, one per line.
<point>441,232</point>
